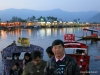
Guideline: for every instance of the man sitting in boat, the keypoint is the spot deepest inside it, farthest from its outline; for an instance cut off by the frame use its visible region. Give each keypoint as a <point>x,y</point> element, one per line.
<point>36,66</point>
<point>16,70</point>
<point>49,52</point>
<point>12,44</point>
<point>77,51</point>
<point>80,52</point>
<point>27,59</point>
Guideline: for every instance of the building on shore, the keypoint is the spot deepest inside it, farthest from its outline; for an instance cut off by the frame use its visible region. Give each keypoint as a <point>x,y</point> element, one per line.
<point>7,24</point>
<point>43,23</point>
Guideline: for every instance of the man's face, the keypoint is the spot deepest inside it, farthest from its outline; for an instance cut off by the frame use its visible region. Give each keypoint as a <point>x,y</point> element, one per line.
<point>27,57</point>
<point>15,67</point>
<point>49,55</point>
<point>58,50</point>
<point>37,61</point>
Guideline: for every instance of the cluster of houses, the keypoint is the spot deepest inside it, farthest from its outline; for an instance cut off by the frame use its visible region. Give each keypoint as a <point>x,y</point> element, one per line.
<point>49,23</point>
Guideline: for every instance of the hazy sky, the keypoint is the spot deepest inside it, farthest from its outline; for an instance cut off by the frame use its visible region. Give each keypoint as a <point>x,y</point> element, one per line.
<point>66,5</point>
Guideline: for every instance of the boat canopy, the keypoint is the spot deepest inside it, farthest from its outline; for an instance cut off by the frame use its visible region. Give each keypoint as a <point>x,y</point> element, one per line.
<point>75,45</point>
<point>8,51</point>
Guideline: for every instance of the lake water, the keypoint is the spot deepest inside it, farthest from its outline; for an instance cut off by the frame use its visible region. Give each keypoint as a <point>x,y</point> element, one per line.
<point>44,38</point>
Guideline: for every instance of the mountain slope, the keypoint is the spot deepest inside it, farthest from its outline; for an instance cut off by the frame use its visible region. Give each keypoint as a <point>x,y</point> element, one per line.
<point>95,18</point>
<point>64,15</point>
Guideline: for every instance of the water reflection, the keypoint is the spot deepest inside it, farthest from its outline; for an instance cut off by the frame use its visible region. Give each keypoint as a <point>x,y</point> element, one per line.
<point>29,32</point>
<point>48,32</point>
<point>3,34</point>
<point>70,30</point>
<point>42,33</point>
<point>16,32</point>
<point>54,31</point>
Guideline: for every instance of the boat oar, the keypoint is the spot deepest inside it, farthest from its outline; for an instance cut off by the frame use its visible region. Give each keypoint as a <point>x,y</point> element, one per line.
<point>79,39</point>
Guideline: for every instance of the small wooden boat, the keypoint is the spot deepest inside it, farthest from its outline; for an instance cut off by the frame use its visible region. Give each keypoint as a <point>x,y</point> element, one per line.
<point>94,34</point>
<point>79,53</point>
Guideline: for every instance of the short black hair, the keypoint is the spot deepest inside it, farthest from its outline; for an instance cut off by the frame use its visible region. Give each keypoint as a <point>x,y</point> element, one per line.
<point>27,54</point>
<point>17,64</point>
<point>57,42</point>
<point>36,54</point>
<point>49,50</point>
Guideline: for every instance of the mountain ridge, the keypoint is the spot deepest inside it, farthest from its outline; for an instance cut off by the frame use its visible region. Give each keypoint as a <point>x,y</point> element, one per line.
<point>7,14</point>
<point>95,18</point>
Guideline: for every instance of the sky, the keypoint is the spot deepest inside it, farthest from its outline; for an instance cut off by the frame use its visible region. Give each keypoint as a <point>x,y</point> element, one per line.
<point>66,5</point>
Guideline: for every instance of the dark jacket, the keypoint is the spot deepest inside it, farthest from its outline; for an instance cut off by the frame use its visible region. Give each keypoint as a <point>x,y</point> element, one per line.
<point>16,72</point>
<point>31,69</point>
<point>72,67</point>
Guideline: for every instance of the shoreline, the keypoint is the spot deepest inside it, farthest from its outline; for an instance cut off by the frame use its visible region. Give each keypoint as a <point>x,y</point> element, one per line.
<point>39,27</point>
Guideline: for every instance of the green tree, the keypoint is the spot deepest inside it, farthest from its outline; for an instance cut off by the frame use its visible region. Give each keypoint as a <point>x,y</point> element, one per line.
<point>75,20</point>
<point>14,19</point>
<point>78,19</point>
<point>28,19</point>
<point>32,18</point>
<point>44,19</point>
<point>47,18</point>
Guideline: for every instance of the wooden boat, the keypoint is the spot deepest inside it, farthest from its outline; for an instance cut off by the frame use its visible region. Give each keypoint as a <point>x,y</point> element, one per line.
<point>81,56</point>
<point>7,53</point>
<point>94,34</point>
<point>89,37</point>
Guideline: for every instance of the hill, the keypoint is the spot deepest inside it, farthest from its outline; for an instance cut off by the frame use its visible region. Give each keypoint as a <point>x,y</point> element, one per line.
<point>60,14</point>
<point>95,18</point>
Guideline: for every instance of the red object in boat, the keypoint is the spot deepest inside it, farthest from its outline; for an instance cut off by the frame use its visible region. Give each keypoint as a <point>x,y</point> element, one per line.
<point>94,35</point>
<point>69,37</point>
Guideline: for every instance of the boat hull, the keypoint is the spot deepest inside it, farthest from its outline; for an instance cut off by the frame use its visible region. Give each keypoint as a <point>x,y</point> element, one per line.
<point>90,37</point>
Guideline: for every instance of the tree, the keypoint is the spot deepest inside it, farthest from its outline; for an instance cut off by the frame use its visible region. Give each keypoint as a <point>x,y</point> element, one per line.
<point>38,18</point>
<point>44,19</point>
<point>55,18</point>
<point>78,19</point>
<point>32,18</point>
<point>17,19</point>
<point>41,17</point>
<point>28,19</point>
<point>47,18</point>
<point>75,20</point>
<point>14,19</point>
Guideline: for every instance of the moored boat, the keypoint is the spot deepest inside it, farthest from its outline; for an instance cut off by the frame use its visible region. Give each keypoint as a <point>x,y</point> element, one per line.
<point>94,34</point>
<point>7,54</point>
<point>79,52</point>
